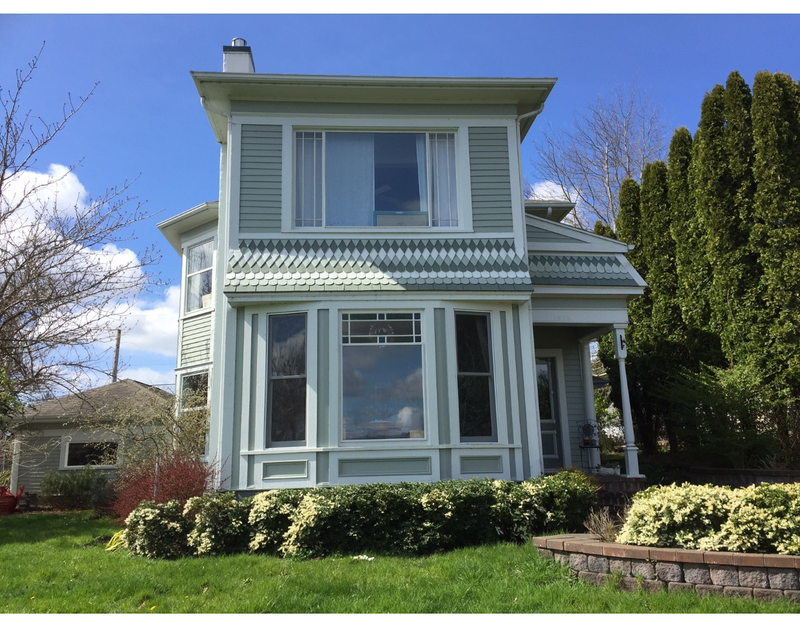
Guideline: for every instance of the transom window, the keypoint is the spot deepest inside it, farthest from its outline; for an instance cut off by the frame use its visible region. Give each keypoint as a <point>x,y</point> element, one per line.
<point>382,384</point>
<point>198,275</point>
<point>476,411</point>
<point>367,179</point>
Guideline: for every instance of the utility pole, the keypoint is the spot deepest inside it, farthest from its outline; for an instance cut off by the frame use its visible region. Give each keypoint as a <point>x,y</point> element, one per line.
<point>116,357</point>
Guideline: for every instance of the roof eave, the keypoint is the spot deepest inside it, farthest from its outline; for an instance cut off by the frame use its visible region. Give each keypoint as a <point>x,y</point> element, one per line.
<point>217,90</point>
<point>173,228</point>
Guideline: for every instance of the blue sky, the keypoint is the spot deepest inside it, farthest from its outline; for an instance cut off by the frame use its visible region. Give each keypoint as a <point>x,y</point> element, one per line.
<point>145,119</point>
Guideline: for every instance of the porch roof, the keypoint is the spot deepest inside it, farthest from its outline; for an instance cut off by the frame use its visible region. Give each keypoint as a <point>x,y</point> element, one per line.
<point>582,269</point>
<point>322,265</point>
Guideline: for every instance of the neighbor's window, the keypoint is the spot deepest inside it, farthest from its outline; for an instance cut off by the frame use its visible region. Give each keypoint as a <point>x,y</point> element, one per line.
<point>475,385</point>
<point>198,275</point>
<point>286,410</point>
<point>95,454</point>
<point>366,179</point>
<point>382,376</point>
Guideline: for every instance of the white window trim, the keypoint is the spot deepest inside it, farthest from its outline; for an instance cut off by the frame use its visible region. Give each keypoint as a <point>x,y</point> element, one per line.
<point>373,123</point>
<point>85,437</point>
<point>186,244</point>
<point>425,348</point>
<point>498,373</point>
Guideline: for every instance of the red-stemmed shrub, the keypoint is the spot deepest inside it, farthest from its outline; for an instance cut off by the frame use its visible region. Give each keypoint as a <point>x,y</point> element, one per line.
<point>180,477</point>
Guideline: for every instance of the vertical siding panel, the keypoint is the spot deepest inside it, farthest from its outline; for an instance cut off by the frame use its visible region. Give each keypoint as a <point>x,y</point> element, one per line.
<point>490,177</point>
<point>260,186</point>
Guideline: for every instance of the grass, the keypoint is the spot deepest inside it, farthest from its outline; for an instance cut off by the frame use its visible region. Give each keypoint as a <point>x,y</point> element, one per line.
<point>57,563</point>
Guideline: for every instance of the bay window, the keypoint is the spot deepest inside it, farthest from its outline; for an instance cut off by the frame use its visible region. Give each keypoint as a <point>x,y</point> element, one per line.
<point>199,271</point>
<point>475,384</point>
<point>286,409</point>
<point>367,179</point>
<point>382,396</point>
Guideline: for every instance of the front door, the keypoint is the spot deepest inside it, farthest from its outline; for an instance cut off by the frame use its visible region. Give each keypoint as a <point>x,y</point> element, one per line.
<point>549,415</point>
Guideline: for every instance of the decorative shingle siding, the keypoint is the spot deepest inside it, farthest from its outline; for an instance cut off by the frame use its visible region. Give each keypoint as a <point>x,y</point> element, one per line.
<point>260,187</point>
<point>491,180</point>
<point>581,270</point>
<point>196,339</point>
<point>376,265</point>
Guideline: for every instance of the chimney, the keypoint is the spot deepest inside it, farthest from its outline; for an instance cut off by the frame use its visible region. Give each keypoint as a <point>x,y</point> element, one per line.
<point>236,57</point>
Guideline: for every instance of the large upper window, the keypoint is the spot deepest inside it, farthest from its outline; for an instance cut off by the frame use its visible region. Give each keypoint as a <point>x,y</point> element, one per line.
<point>198,275</point>
<point>475,385</point>
<point>382,376</point>
<point>287,380</point>
<point>366,179</point>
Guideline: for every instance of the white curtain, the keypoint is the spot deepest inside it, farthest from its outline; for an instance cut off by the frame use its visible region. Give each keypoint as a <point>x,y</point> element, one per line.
<point>443,180</point>
<point>349,179</point>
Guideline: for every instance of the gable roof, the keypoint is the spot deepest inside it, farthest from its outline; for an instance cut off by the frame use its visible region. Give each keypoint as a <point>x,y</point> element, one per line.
<point>561,255</point>
<point>92,400</point>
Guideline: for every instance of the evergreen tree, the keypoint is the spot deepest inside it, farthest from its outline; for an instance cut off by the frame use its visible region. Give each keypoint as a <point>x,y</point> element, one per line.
<point>776,235</point>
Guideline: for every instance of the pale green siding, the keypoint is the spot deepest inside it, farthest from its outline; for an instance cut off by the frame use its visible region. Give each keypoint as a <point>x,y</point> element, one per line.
<point>538,235</point>
<point>196,340</point>
<point>260,187</point>
<point>323,382</point>
<point>490,175</point>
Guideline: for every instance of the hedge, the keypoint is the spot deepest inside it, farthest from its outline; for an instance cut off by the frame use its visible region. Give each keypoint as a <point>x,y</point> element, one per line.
<point>396,519</point>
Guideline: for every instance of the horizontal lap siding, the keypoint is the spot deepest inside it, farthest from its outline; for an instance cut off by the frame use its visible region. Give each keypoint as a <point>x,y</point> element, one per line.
<point>196,340</point>
<point>38,456</point>
<point>491,180</point>
<point>260,185</point>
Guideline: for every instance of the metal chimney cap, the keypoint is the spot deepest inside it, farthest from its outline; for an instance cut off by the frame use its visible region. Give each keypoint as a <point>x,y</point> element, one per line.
<point>238,42</point>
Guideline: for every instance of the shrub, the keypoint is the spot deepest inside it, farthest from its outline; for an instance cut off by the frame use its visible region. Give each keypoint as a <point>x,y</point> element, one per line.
<point>84,488</point>
<point>676,516</point>
<point>270,518</point>
<point>180,477</point>
<point>762,519</point>
<point>220,524</point>
<point>551,503</point>
<point>5,478</point>
<point>158,530</point>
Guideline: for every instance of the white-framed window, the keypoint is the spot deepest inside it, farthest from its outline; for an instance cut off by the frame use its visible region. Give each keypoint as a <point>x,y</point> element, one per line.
<point>375,179</point>
<point>287,380</point>
<point>194,389</point>
<point>382,376</point>
<point>80,449</point>
<point>199,276</point>
<point>476,400</point>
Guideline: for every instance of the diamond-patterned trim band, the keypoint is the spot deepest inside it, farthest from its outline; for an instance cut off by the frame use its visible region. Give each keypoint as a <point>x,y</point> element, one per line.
<point>581,270</point>
<point>376,264</point>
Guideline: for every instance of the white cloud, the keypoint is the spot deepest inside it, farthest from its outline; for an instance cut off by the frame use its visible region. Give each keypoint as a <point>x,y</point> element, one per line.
<point>152,326</point>
<point>56,190</point>
<point>163,379</point>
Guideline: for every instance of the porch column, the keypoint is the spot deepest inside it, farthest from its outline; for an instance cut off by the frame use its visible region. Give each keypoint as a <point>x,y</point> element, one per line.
<point>588,397</point>
<point>631,452</point>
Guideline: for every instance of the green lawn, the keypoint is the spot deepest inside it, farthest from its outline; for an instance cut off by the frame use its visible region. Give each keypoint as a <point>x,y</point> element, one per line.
<point>57,563</point>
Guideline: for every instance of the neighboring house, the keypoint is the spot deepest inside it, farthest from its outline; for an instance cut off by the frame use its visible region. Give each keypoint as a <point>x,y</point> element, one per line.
<point>55,436</point>
<point>372,299</point>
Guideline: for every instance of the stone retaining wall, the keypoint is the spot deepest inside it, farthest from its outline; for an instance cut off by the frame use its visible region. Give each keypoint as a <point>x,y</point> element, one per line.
<point>750,575</point>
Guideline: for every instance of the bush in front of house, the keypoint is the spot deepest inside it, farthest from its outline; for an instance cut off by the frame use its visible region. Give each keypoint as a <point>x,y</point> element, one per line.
<point>394,519</point>
<point>178,476</point>
<point>158,530</point>
<point>763,519</point>
<point>78,489</point>
<point>755,519</point>
<point>220,524</point>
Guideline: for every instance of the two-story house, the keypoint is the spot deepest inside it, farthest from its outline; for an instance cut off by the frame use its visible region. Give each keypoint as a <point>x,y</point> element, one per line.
<point>372,299</point>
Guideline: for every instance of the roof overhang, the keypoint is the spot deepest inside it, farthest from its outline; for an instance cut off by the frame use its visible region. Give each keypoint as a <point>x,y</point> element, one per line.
<point>217,90</point>
<point>554,211</point>
<point>173,228</point>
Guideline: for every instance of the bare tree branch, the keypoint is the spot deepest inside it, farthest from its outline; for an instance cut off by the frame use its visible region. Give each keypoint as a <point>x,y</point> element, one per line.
<point>612,140</point>
<point>65,285</point>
